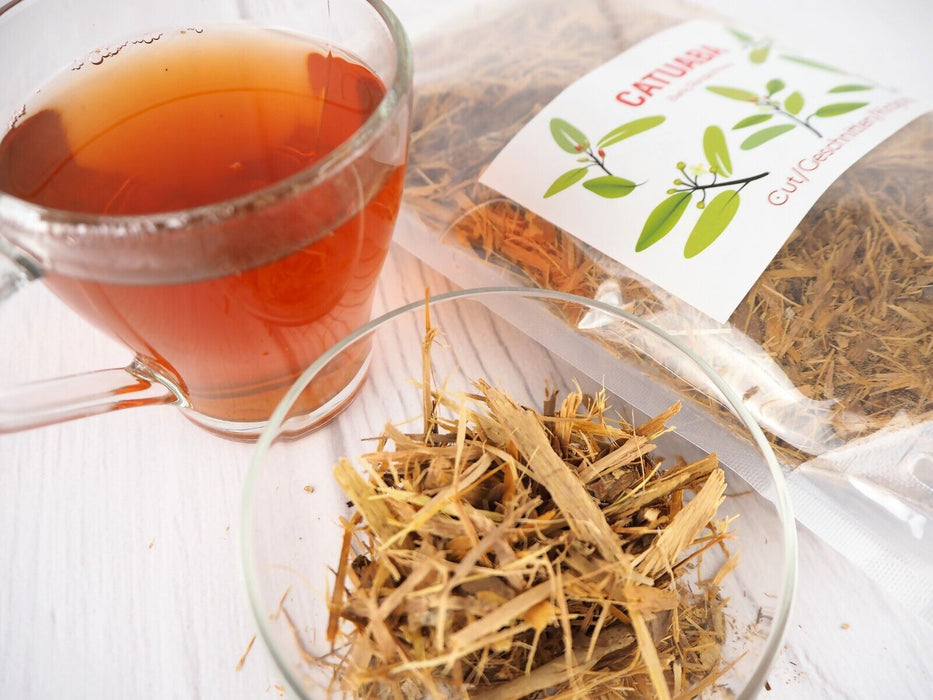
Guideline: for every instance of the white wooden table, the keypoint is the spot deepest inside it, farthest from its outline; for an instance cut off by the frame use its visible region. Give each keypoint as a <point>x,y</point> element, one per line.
<point>119,569</point>
<point>119,561</point>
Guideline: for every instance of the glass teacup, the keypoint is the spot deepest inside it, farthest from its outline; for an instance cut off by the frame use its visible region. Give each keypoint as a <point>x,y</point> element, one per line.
<point>214,185</point>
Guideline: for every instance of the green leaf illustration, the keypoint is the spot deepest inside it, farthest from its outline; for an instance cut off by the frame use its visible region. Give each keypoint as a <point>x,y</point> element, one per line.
<point>740,35</point>
<point>775,85</point>
<point>765,135</point>
<point>851,88</point>
<point>811,63</point>
<point>712,222</point>
<point>716,150</point>
<point>834,110</point>
<point>664,217</point>
<point>567,136</point>
<point>566,180</point>
<point>752,120</point>
<point>610,186</point>
<point>734,93</point>
<point>794,103</point>
<point>629,129</point>
<point>760,54</point>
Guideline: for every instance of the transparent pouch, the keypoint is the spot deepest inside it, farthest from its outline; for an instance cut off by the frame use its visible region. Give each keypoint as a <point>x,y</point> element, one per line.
<point>832,349</point>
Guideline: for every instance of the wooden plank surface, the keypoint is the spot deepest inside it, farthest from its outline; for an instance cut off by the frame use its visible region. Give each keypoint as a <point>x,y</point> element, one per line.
<point>118,552</point>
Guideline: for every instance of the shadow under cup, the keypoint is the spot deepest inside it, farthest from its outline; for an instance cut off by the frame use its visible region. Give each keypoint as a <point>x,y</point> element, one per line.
<point>225,302</point>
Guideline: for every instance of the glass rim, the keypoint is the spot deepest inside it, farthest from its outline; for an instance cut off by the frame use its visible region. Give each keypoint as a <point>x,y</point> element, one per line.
<point>248,567</point>
<point>40,220</point>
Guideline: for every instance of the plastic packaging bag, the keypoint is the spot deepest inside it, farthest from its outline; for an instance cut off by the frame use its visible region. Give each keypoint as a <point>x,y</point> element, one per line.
<point>833,346</point>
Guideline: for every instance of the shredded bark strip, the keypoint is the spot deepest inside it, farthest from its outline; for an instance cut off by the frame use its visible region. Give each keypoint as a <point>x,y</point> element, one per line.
<point>845,309</point>
<point>506,552</point>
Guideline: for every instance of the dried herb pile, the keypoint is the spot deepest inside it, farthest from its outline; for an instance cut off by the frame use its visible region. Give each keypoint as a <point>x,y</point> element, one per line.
<point>503,552</point>
<point>845,308</point>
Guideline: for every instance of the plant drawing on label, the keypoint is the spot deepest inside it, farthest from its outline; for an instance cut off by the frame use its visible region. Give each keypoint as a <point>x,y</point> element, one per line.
<point>716,215</point>
<point>758,49</point>
<point>787,108</point>
<point>572,140</point>
<point>810,63</point>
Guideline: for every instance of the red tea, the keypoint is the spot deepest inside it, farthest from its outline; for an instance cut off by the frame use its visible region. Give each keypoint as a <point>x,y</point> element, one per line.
<point>193,118</point>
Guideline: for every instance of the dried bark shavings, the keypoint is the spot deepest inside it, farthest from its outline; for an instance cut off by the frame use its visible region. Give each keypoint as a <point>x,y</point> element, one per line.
<point>845,309</point>
<point>506,552</point>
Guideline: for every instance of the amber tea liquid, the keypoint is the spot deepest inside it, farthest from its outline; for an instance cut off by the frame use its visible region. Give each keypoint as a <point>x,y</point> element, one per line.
<point>190,118</point>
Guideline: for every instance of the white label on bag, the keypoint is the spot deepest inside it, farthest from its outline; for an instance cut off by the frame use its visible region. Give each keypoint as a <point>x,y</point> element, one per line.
<point>691,157</point>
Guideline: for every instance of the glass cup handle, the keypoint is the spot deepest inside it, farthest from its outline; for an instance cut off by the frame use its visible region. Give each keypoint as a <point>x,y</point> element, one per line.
<point>48,401</point>
<point>15,271</point>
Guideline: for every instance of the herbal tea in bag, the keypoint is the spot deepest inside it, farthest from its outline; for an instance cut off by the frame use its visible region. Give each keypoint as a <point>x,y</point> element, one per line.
<point>519,173</point>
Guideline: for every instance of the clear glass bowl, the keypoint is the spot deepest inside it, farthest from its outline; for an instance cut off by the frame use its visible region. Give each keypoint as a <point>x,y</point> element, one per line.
<point>291,534</point>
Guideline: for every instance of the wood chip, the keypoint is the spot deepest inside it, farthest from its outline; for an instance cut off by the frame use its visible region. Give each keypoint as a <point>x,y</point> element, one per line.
<point>478,563</point>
